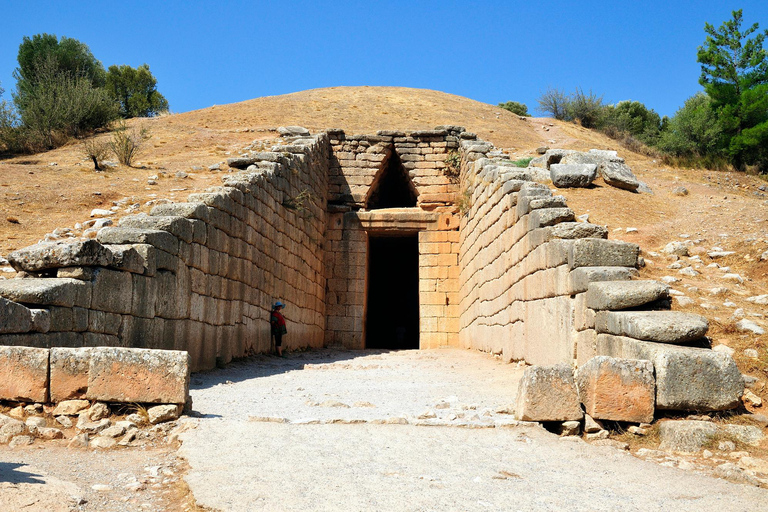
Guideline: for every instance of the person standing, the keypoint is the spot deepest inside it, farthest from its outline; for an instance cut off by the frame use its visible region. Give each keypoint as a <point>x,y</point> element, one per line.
<point>277,321</point>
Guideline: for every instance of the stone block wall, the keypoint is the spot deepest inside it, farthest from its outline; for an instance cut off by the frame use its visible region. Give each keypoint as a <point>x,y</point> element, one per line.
<point>198,276</point>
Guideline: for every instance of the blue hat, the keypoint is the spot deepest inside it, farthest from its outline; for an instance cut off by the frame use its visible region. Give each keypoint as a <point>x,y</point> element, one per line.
<point>278,304</point>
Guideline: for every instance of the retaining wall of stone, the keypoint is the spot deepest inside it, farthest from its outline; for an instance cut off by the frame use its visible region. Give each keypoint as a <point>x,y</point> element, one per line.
<point>199,276</point>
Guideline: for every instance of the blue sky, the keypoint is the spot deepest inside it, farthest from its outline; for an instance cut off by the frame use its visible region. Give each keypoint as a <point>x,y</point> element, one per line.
<point>205,53</point>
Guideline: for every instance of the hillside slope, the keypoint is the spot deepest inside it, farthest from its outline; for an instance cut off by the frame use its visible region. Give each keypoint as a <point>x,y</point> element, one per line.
<point>726,210</point>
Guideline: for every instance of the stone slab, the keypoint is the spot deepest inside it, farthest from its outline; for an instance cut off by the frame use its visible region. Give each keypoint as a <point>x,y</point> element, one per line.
<point>49,255</point>
<point>659,326</point>
<point>548,393</point>
<point>594,252</point>
<point>572,175</point>
<point>69,373</point>
<point>162,240</point>
<point>616,295</point>
<point>579,278</point>
<point>619,175</point>
<point>687,378</point>
<point>14,318</point>
<point>686,436</point>
<point>24,374</point>
<point>617,389</point>
<point>51,291</point>
<point>138,375</point>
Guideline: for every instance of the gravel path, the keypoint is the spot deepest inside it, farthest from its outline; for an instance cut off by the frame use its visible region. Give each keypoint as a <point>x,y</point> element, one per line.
<point>412,430</point>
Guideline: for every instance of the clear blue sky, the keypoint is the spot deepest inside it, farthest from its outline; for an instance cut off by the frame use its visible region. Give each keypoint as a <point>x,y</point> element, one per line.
<point>205,53</point>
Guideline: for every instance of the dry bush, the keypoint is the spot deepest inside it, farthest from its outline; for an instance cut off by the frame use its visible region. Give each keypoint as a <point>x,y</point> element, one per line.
<point>127,142</point>
<point>96,150</point>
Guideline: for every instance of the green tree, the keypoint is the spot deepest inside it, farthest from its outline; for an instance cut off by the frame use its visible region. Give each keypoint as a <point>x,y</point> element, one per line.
<point>586,108</point>
<point>734,73</point>
<point>69,56</point>
<point>634,118</point>
<point>515,107</point>
<point>135,90</point>
<point>694,131</point>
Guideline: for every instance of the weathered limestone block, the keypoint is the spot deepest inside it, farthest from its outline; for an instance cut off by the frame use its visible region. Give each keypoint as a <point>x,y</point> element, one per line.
<point>180,227</point>
<point>549,217</point>
<point>659,326</point>
<point>103,322</point>
<point>594,252</point>
<point>579,278</point>
<point>148,254</point>
<point>144,296</point>
<point>162,240</point>
<point>577,157</point>
<point>548,393</point>
<point>617,389</point>
<point>70,407</point>
<point>619,175</point>
<point>127,258</point>
<point>112,291</point>
<point>161,413</point>
<point>572,175</point>
<point>81,273</point>
<point>41,320</point>
<point>240,162</point>
<point>624,294</point>
<point>48,291</point>
<point>48,255</point>
<point>69,373</point>
<point>527,204</point>
<point>138,375</point>
<point>24,374</point>
<point>14,318</point>
<point>687,378</point>
<point>68,319</point>
<point>686,436</point>
<point>187,210</point>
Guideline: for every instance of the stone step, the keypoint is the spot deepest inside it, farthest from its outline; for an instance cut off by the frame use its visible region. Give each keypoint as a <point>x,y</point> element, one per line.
<point>659,326</point>
<point>581,277</point>
<point>614,295</point>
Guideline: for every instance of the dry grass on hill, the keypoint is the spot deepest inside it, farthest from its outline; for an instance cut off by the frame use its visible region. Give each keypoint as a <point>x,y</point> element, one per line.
<point>722,209</point>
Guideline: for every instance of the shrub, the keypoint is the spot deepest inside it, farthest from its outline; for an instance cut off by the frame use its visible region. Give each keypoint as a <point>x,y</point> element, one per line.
<point>523,162</point>
<point>555,103</point>
<point>515,107</point>
<point>632,118</point>
<point>694,131</point>
<point>97,150</point>
<point>126,142</point>
<point>585,108</point>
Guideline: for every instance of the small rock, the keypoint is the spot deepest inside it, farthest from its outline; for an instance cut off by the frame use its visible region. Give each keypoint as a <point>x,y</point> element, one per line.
<point>602,434</point>
<point>98,212</point>
<point>680,191</point>
<point>64,421</point>
<point>80,441</point>
<point>17,412</point>
<point>752,399</point>
<point>34,408</point>
<point>136,418</point>
<point>676,248</point>
<point>751,353</point>
<point>570,428</point>
<point>50,433</point>
<point>759,299</point>
<point>70,407</point>
<point>98,411</point>
<point>151,182</point>
<point>726,446</point>
<point>427,415</point>
<point>732,472</point>
<point>633,429</point>
<point>101,488</point>
<point>34,423</point>
<point>684,301</point>
<point>20,441</point>
<point>745,325</point>
<point>161,413</point>
<point>688,271</point>
<point>129,436</point>
<point>591,425</point>
<point>91,427</point>
<point>181,174</point>
<point>113,431</point>
<point>725,349</point>
<point>103,442</point>
<point>736,278</point>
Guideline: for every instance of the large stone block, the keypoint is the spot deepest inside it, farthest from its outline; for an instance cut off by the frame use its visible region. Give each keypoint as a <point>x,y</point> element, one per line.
<point>594,252</point>
<point>180,227</point>
<point>687,378</point>
<point>24,374</point>
<point>112,291</point>
<point>619,175</point>
<point>48,255</point>
<point>615,295</point>
<point>162,240</point>
<point>617,389</point>
<point>572,175</point>
<point>549,217</point>
<point>138,375</point>
<point>47,291</point>
<point>579,278</point>
<point>186,210</point>
<point>659,326</point>
<point>69,373</point>
<point>14,317</point>
<point>127,258</point>
<point>548,393</point>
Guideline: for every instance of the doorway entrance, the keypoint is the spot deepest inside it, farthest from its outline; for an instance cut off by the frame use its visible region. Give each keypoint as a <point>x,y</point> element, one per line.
<point>392,313</point>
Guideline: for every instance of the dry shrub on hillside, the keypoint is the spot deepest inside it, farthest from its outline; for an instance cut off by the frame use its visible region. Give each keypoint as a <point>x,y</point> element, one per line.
<point>127,142</point>
<point>96,150</point>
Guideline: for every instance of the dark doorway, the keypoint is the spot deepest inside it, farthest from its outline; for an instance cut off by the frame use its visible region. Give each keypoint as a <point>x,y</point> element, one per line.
<point>393,188</point>
<point>392,317</point>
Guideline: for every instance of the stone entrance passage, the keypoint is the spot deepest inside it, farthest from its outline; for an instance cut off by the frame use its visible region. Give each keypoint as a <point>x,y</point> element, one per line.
<point>392,309</point>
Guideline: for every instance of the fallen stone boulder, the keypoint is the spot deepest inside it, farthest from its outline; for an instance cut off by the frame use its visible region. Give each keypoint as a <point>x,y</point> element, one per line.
<point>619,175</point>
<point>572,175</point>
<point>48,255</point>
<point>659,326</point>
<point>24,374</point>
<point>686,436</point>
<point>613,295</point>
<point>617,389</point>
<point>138,375</point>
<point>548,393</point>
<point>687,378</point>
